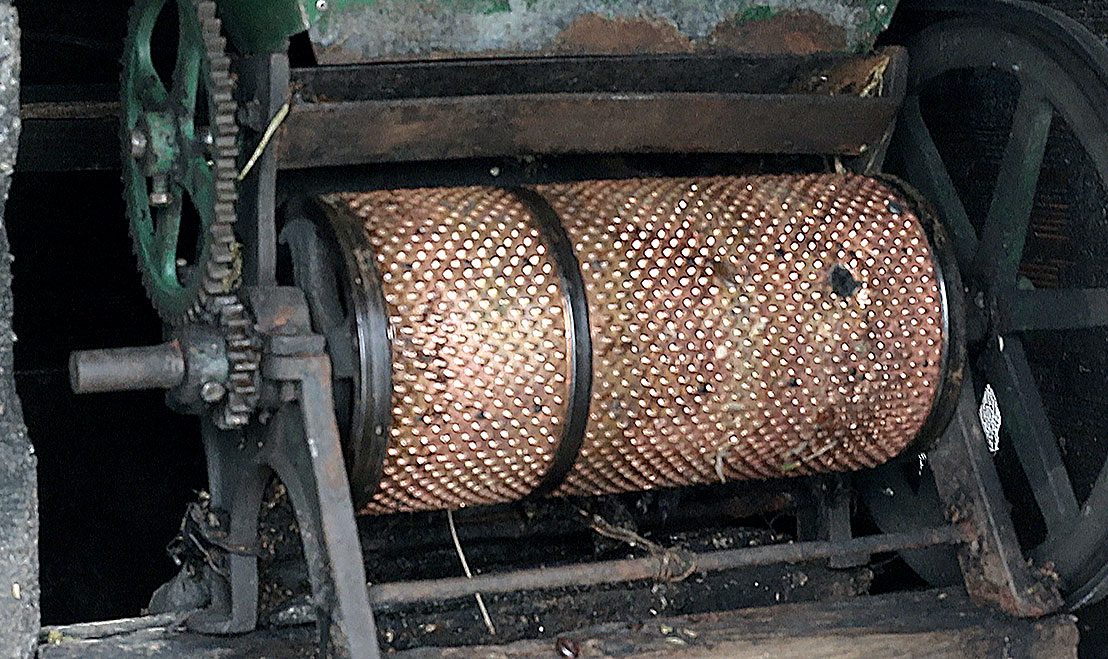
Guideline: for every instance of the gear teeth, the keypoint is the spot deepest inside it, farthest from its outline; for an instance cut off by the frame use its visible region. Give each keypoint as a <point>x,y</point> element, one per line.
<point>244,355</point>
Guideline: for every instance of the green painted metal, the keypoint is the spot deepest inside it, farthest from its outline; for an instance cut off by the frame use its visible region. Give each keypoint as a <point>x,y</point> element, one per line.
<point>878,17</point>
<point>364,30</point>
<point>163,118</point>
<point>161,135</point>
<point>264,26</point>
<point>757,13</point>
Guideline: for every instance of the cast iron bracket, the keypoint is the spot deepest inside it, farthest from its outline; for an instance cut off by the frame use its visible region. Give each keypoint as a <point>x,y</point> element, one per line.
<point>995,570</point>
<point>300,445</point>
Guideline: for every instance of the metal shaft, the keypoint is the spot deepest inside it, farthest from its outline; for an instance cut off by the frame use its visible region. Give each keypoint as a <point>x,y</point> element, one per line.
<point>127,369</point>
<point>652,567</point>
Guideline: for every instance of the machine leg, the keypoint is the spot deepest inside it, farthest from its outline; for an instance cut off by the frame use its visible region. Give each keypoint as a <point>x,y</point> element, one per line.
<point>264,80</point>
<point>827,517</point>
<point>993,566</point>
<point>307,456</point>
<point>237,483</point>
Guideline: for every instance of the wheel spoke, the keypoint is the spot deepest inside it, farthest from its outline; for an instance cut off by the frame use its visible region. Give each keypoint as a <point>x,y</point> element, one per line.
<point>1026,425</point>
<point>149,88</point>
<point>199,182</point>
<point>924,167</point>
<point>166,234</point>
<point>186,81</point>
<point>1056,309</point>
<point>1005,229</point>
<point>1069,552</point>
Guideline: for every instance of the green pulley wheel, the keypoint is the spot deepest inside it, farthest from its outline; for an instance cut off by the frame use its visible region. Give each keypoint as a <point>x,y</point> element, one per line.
<point>180,157</point>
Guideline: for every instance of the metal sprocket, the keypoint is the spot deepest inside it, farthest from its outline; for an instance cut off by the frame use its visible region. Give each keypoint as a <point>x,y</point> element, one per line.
<point>180,152</point>
<point>181,147</point>
<point>244,360</point>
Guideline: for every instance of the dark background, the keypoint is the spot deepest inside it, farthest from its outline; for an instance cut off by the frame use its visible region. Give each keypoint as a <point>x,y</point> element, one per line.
<point>115,471</point>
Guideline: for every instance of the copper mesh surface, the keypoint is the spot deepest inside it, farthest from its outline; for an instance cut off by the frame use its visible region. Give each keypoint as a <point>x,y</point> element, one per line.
<point>741,328</point>
<point>479,345</point>
<point>721,348</point>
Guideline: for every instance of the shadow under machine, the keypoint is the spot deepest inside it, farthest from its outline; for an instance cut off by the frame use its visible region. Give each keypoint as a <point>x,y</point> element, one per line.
<point>521,261</point>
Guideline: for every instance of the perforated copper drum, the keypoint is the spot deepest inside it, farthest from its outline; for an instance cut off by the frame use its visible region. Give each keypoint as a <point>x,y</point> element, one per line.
<point>611,336</point>
<point>481,356</point>
<point>750,328</point>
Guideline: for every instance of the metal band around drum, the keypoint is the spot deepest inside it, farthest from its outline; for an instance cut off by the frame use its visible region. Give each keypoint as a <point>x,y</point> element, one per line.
<point>953,368</point>
<point>371,424</point>
<point>579,339</point>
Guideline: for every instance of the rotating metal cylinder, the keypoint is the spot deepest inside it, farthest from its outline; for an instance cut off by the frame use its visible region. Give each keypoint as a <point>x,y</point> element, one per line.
<point>612,336</point>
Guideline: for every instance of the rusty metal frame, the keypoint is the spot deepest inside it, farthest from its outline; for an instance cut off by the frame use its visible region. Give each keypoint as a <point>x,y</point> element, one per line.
<point>350,116</point>
<point>423,112</point>
<point>993,566</point>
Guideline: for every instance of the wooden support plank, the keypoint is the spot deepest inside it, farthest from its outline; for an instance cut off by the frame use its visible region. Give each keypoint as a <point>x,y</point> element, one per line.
<point>935,623</point>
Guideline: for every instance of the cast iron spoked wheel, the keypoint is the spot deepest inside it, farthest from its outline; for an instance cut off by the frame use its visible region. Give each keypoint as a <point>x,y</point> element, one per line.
<point>180,151</point>
<point>1032,261</point>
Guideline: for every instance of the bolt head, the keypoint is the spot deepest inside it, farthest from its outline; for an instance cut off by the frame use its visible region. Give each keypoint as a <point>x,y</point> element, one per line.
<point>139,143</point>
<point>211,392</point>
<point>321,5</point>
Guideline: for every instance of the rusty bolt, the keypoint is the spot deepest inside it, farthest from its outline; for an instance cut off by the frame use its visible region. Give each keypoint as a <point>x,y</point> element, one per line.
<point>567,647</point>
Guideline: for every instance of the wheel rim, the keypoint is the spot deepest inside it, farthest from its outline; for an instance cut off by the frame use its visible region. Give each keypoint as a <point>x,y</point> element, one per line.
<point>1060,69</point>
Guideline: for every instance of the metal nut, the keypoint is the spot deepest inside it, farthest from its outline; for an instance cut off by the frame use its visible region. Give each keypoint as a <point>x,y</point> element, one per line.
<point>159,199</point>
<point>211,392</point>
<point>139,143</point>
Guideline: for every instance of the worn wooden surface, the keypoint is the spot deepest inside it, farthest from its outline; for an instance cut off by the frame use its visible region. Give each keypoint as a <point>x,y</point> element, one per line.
<point>918,624</point>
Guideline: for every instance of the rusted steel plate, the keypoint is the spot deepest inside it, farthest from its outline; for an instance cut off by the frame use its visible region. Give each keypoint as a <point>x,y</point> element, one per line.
<point>354,31</point>
<point>426,112</point>
<point>327,134</point>
<point>823,74</point>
